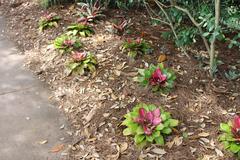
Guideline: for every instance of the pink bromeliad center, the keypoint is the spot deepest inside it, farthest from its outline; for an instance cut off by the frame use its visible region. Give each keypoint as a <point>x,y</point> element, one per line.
<point>79,56</point>
<point>139,40</point>
<point>68,43</point>
<point>236,127</point>
<point>158,78</point>
<point>149,120</point>
<point>49,17</point>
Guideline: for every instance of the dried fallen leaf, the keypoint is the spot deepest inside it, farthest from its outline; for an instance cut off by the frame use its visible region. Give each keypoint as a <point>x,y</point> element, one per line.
<point>57,148</point>
<point>159,151</point>
<point>203,134</point>
<point>178,140</point>
<point>219,152</point>
<point>123,147</point>
<point>162,58</point>
<point>115,156</point>
<point>193,149</point>
<point>43,142</point>
<point>90,115</point>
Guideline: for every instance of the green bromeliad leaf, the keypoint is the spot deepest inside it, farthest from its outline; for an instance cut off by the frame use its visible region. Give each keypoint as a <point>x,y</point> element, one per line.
<point>139,138</point>
<point>225,127</point>
<point>235,148</point>
<point>80,29</point>
<point>127,132</point>
<point>159,140</point>
<point>166,130</point>
<point>173,122</point>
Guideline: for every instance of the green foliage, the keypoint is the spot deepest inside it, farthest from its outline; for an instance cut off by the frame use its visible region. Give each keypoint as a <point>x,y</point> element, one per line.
<point>126,4</point>
<point>136,47</point>
<point>49,21</point>
<point>83,65</point>
<point>49,3</point>
<point>82,30</point>
<point>234,41</point>
<point>203,13</point>
<point>158,132</point>
<point>186,36</point>
<point>232,74</point>
<point>228,140</point>
<point>66,44</point>
<point>160,79</point>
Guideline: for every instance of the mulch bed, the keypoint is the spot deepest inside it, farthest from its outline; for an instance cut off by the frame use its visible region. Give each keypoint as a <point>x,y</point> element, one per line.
<point>95,104</point>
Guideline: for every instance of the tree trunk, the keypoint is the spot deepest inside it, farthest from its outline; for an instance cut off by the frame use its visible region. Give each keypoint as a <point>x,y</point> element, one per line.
<point>212,47</point>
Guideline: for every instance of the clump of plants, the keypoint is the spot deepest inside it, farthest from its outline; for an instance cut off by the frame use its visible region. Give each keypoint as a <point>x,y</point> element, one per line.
<point>66,44</point>
<point>148,124</point>
<point>160,79</point>
<point>136,47</point>
<point>49,21</point>
<point>231,135</point>
<point>82,62</point>
<point>80,29</point>
<point>89,11</point>
<point>121,27</point>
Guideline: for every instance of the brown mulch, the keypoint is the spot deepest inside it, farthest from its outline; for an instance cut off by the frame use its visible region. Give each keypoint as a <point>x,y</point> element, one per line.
<point>95,104</point>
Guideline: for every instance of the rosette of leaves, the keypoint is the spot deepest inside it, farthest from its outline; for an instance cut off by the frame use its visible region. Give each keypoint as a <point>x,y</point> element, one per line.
<point>49,21</point>
<point>231,135</point>
<point>66,43</point>
<point>82,30</point>
<point>160,79</point>
<point>136,47</point>
<point>148,124</point>
<point>122,26</point>
<point>82,63</point>
<point>89,11</point>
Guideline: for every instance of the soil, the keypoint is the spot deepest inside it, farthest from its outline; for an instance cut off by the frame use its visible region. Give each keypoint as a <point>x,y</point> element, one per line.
<point>95,104</point>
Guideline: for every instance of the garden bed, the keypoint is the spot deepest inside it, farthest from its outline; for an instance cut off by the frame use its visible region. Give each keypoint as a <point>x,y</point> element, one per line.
<point>95,104</point>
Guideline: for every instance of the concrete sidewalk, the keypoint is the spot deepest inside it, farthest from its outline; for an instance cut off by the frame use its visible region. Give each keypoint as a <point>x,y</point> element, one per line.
<point>26,116</point>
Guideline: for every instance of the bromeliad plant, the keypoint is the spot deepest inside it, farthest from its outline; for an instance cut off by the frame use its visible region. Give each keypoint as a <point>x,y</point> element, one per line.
<point>161,79</point>
<point>49,21</point>
<point>148,124</point>
<point>231,135</point>
<point>82,30</point>
<point>89,11</point>
<point>82,63</point>
<point>66,44</point>
<point>122,26</point>
<point>136,47</point>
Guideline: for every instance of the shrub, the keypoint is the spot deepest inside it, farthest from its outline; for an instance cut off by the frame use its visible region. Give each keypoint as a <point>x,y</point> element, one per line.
<point>49,3</point>
<point>231,135</point>
<point>136,47</point>
<point>82,30</point>
<point>161,79</point>
<point>66,44</point>
<point>48,21</point>
<point>82,63</point>
<point>148,124</point>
